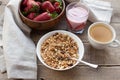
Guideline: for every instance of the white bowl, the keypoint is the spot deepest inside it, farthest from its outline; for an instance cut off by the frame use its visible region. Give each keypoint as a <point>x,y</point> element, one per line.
<point>73,36</point>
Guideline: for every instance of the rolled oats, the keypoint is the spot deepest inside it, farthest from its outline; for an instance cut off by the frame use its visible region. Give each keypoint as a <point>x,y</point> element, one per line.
<point>56,50</point>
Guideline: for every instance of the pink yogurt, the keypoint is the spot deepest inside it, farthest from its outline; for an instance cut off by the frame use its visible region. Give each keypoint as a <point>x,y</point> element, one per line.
<point>77,17</point>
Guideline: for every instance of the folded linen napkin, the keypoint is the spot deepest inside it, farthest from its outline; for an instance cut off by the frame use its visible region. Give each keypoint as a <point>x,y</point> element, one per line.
<point>99,10</point>
<point>18,48</point>
<point>2,62</point>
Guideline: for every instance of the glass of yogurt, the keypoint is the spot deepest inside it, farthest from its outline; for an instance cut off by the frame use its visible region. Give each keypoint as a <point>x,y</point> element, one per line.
<point>76,15</point>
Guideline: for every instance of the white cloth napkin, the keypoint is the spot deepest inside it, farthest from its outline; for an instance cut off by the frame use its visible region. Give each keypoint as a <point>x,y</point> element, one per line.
<point>19,50</point>
<point>2,62</point>
<point>99,10</point>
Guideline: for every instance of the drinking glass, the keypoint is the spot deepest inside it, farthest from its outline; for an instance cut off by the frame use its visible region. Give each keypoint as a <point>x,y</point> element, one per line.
<point>76,16</point>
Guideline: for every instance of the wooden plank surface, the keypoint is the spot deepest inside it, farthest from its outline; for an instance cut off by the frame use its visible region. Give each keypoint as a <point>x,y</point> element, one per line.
<point>77,73</point>
<point>108,59</point>
<point>80,73</point>
<point>36,35</point>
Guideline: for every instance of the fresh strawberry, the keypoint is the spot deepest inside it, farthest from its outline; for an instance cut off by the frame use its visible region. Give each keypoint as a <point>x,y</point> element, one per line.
<point>57,7</point>
<point>56,4</point>
<point>31,4</point>
<point>81,26</point>
<point>24,3</point>
<point>42,17</point>
<point>31,16</point>
<point>26,9</point>
<point>47,5</point>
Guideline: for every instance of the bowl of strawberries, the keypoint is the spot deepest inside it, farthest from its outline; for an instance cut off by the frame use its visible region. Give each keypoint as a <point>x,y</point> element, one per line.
<point>41,14</point>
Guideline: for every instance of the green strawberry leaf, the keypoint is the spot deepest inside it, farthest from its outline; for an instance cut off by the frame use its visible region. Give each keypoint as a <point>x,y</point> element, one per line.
<point>61,7</point>
<point>54,14</point>
<point>35,8</point>
<point>60,1</point>
<point>24,13</point>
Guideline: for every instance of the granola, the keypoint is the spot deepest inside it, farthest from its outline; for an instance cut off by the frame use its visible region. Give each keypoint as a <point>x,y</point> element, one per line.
<point>57,50</point>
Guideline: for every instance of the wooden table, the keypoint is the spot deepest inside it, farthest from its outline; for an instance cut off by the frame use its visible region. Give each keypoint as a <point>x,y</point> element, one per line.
<point>108,59</point>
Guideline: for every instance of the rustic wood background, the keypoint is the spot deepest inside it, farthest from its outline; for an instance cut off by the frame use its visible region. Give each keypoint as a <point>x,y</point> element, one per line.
<point>108,59</point>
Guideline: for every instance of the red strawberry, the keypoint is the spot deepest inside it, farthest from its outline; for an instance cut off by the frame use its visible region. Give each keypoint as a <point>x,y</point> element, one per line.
<point>38,3</point>
<point>57,7</point>
<point>42,17</point>
<point>47,5</point>
<point>26,9</point>
<point>81,26</point>
<point>31,4</point>
<point>24,2</point>
<point>56,4</point>
<point>31,16</point>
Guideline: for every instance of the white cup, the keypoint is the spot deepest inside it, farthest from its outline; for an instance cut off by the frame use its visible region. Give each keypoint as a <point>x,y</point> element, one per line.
<point>113,42</point>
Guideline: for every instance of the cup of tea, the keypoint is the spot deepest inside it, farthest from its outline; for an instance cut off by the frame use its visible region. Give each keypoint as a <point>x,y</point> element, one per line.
<point>101,34</point>
<point>76,16</point>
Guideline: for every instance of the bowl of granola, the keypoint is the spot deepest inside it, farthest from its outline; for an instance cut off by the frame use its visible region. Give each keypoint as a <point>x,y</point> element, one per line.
<point>57,48</point>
